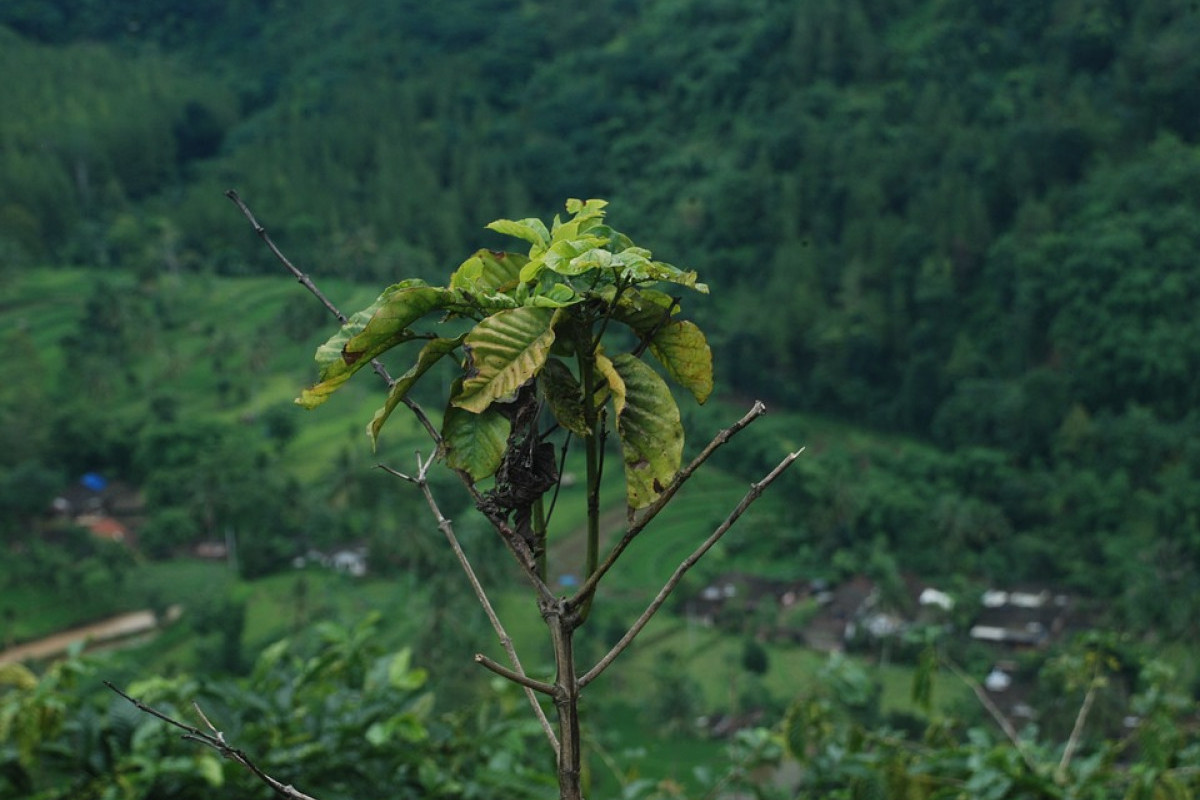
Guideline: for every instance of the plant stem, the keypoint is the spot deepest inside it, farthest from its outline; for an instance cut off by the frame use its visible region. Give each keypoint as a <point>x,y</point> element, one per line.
<point>566,699</point>
<point>638,525</point>
<point>587,376</point>
<point>539,530</point>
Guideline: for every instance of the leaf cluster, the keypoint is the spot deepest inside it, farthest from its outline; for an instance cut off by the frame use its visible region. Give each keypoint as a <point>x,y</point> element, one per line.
<point>531,315</point>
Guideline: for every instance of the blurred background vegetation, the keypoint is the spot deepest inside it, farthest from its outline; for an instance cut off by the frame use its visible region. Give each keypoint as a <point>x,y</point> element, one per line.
<point>954,244</point>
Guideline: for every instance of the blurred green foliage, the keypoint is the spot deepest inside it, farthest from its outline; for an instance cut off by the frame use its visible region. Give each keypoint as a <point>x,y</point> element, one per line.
<point>331,710</point>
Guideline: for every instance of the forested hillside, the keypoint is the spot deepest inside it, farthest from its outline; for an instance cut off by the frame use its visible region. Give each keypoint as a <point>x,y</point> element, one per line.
<point>972,222</point>
<point>975,224</point>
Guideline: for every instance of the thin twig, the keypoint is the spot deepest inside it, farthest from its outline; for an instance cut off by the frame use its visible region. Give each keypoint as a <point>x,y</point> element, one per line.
<point>996,714</point>
<point>562,468</point>
<point>755,492</point>
<point>292,268</point>
<point>517,546</point>
<point>636,527</point>
<point>516,677</point>
<point>447,529</point>
<point>514,542</point>
<point>216,740</point>
<point>1080,719</point>
<point>307,282</point>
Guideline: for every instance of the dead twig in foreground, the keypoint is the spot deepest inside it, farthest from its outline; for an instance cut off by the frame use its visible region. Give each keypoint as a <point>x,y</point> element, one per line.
<point>216,740</point>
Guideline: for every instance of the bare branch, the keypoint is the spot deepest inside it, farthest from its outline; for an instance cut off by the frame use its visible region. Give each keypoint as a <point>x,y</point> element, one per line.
<point>636,527</point>
<point>376,364</point>
<point>516,677</point>
<point>216,740</point>
<point>996,714</point>
<point>292,268</point>
<point>1080,720</point>
<point>447,529</point>
<point>515,543</point>
<point>755,492</point>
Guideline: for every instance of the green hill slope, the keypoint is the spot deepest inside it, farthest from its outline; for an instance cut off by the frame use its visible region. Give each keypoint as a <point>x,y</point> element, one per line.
<point>972,224</point>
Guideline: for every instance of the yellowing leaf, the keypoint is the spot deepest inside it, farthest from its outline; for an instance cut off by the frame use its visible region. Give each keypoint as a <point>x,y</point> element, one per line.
<point>503,352</point>
<point>532,230</point>
<point>650,430</point>
<point>488,272</point>
<point>17,675</point>
<point>681,348</point>
<point>374,330</point>
<point>616,385</point>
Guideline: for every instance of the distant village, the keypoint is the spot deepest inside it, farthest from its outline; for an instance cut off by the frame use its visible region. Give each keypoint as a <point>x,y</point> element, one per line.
<point>854,614</point>
<point>859,615</point>
<point>113,511</point>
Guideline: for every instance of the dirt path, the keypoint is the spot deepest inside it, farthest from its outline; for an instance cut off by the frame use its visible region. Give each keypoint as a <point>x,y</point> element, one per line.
<point>108,630</point>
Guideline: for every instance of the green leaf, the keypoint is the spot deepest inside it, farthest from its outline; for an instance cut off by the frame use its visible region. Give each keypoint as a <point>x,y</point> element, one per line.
<point>559,295</point>
<point>574,256</point>
<point>430,354</point>
<point>595,258</point>
<point>563,394</point>
<point>532,230</point>
<point>650,430</point>
<point>569,240</point>
<point>474,443</point>
<point>616,384</point>
<point>503,352</point>
<point>561,258</point>
<point>372,331</point>
<point>922,679</point>
<point>643,309</point>
<point>408,727</point>
<point>638,266</point>
<point>378,734</point>
<point>681,348</point>
<point>488,273</point>
<point>401,675</point>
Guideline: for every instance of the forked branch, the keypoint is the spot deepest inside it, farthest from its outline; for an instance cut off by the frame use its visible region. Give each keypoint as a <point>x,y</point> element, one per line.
<point>307,282</point>
<point>755,492</point>
<point>510,538</point>
<point>517,674</point>
<point>216,740</point>
<point>638,525</point>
